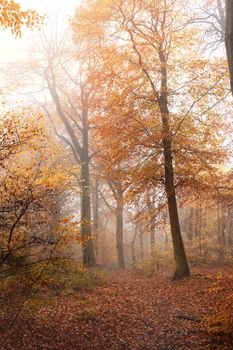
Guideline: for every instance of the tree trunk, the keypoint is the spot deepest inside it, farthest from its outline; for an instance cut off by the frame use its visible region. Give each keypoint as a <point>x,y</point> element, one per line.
<point>141,244</point>
<point>229,38</point>
<point>152,237</point>
<point>151,207</point>
<point>88,247</point>
<point>181,263</point>
<point>119,230</point>
<point>200,229</point>
<point>55,216</point>
<point>219,227</point>
<point>95,203</point>
<point>81,154</point>
<point>133,254</point>
<point>230,232</point>
<point>190,225</point>
<point>88,244</point>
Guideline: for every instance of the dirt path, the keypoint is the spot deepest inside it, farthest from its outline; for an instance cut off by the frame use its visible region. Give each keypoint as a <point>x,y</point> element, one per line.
<point>133,312</point>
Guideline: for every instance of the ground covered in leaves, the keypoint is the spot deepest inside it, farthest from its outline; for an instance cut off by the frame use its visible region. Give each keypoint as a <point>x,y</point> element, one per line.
<point>131,311</point>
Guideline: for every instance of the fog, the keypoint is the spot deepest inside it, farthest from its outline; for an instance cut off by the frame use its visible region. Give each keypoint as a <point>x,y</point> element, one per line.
<point>115,153</point>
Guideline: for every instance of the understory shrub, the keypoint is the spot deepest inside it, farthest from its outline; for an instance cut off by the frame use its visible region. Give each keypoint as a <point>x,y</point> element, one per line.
<point>59,276</point>
<point>221,322</point>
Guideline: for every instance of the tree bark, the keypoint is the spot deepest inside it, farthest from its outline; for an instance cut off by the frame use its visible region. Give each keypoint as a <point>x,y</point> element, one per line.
<point>118,191</point>
<point>230,231</point>
<point>133,253</point>
<point>152,236</point>
<point>95,205</point>
<point>88,245</point>
<point>119,230</point>
<point>88,249</point>
<point>229,38</point>
<point>200,228</point>
<point>190,225</point>
<point>141,244</point>
<point>151,207</point>
<point>181,263</point>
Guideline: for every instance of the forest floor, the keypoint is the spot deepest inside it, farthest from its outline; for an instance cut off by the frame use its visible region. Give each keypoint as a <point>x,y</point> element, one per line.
<point>130,312</point>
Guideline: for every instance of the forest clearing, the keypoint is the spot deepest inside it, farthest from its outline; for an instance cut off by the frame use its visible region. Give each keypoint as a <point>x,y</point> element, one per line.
<point>116,177</point>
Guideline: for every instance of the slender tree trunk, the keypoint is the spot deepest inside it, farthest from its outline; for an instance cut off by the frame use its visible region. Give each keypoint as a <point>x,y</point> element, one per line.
<point>230,233</point>
<point>14,225</point>
<point>96,216</point>
<point>223,221</point>
<point>141,244</point>
<point>229,38</point>
<point>205,230</point>
<point>219,233</point>
<point>190,228</point>
<point>181,263</point>
<point>200,229</point>
<point>88,247</point>
<point>151,207</point>
<point>81,154</point>
<point>152,237</point>
<point>133,253</point>
<point>119,230</point>
<point>88,244</point>
<point>165,231</point>
<point>56,214</point>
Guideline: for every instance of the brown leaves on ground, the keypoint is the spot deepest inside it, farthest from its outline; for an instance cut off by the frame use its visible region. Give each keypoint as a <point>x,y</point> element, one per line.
<point>132,312</point>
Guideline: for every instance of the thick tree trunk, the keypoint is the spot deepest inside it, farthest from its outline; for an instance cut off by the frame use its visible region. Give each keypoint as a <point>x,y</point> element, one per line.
<point>88,247</point>
<point>229,38</point>
<point>119,231</point>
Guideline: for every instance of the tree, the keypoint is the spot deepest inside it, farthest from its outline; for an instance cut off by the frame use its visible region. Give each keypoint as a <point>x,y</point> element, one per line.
<point>211,16</point>
<point>146,41</point>
<point>229,38</point>
<point>63,71</point>
<point>125,14</point>
<point>32,184</point>
<point>12,16</point>
<point>113,174</point>
<point>118,191</point>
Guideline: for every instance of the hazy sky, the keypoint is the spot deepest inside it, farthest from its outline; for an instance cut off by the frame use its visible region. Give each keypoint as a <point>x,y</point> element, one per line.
<point>13,49</point>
